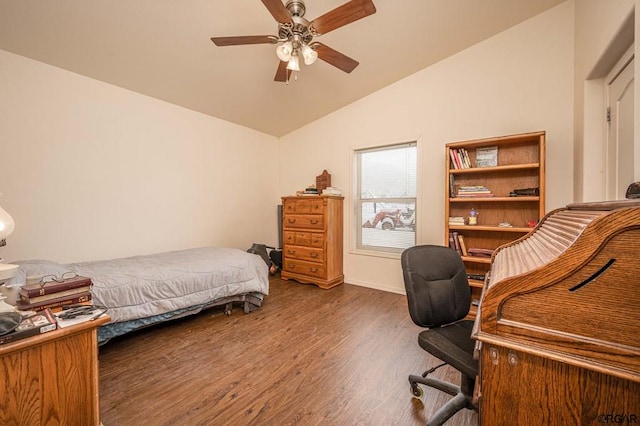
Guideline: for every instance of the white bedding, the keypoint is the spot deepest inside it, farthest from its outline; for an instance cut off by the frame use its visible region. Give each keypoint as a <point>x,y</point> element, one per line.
<point>143,286</point>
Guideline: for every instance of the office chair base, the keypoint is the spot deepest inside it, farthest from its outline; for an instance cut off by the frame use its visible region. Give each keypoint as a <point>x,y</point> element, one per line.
<point>444,413</point>
<point>446,387</point>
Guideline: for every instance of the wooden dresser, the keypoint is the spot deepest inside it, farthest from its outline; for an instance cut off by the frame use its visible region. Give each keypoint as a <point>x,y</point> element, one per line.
<point>312,240</point>
<point>52,378</point>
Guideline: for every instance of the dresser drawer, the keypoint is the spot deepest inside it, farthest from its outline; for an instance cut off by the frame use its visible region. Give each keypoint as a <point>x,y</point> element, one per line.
<point>303,221</point>
<point>301,267</point>
<point>303,205</point>
<point>304,253</point>
<point>309,239</point>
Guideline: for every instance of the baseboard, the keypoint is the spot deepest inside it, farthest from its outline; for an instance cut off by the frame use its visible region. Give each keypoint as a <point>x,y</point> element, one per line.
<point>375,286</point>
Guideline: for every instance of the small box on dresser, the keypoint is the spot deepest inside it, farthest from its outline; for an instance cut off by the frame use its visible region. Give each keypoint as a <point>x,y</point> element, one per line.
<point>312,240</point>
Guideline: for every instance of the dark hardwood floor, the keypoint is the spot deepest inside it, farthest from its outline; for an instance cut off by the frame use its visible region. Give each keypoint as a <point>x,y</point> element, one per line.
<point>308,356</point>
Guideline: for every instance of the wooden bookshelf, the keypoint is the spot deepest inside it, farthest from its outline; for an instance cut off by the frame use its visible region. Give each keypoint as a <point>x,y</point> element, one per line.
<point>520,165</point>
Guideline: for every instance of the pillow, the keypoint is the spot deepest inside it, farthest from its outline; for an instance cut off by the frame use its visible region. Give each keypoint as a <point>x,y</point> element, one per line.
<point>33,270</point>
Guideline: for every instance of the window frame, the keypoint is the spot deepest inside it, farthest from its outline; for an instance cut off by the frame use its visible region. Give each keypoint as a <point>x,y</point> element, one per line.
<point>356,241</point>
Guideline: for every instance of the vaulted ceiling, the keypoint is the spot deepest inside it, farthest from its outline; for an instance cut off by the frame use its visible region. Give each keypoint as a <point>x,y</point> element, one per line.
<point>162,48</point>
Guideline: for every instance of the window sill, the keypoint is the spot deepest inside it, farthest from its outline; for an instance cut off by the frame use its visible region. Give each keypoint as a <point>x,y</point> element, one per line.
<point>376,253</point>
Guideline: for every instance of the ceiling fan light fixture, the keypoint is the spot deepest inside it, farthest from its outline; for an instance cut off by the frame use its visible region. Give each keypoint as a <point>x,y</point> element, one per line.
<point>295,35</point>
<point>285,51</point>
<point>294,64</point>
<point>308,54</point>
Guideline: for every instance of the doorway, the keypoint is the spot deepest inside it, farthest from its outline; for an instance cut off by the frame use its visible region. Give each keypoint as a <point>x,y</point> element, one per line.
<point>619,144</point>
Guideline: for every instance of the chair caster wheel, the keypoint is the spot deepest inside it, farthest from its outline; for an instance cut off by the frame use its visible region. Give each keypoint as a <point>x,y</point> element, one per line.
<point>417,391</point>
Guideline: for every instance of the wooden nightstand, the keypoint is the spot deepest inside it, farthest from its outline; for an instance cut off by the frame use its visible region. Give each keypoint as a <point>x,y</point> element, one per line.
<point>52,378</point>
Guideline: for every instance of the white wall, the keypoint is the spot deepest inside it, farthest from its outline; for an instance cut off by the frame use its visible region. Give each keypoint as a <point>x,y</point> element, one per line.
<point>600,40</point>
<point>92,171</point>
<point>517,81</point>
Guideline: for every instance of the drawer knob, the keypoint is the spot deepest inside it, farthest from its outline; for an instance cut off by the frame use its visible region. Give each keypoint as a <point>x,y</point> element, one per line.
<point>314,270</point>
<point>314,255</point>
<point>291,251</point>
<point>314,221</point>
<point>292,220</point>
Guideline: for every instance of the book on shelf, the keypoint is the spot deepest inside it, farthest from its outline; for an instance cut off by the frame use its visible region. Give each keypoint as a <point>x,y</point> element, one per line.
<point>461,160</point>
<point>39,323</point>
<point>467,160</point>
<point>478,277</point>
<point>487,156</point>
<point>55,303</point>
<point>474,191</point>
<point>452,186</point>
<point>463,245</point>
<point>452,156</point>
<point>480,252</point>
<point>456,242</point>
<point>42,289</point>
<point>456,220</point>
<point>451,243</point>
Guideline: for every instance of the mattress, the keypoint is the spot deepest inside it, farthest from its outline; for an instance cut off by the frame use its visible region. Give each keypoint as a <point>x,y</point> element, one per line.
<point>145,286</point>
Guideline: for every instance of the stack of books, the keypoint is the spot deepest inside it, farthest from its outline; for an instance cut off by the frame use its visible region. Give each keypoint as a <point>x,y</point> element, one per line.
<point>474,191</point>
<point>308,191</point>
<point>456,220</point>
<point>54,294</point>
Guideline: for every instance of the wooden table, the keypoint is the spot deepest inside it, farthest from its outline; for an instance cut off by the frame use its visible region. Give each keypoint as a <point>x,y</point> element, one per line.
<point>52,378</point>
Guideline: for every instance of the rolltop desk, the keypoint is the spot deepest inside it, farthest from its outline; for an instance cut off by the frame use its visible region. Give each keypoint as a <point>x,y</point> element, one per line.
<point>558,327</point>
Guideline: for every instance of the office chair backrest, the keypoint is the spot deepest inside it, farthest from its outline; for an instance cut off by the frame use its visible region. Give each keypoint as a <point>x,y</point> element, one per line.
<point>438,291</point>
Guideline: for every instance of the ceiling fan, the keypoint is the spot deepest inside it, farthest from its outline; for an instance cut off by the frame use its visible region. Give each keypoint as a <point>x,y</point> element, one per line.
<point>296,34</point>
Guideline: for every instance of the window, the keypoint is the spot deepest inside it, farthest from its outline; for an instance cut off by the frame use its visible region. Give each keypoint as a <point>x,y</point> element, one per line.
<point>385,198</point>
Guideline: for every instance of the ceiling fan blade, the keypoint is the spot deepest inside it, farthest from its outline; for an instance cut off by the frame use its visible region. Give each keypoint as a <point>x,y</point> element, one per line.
<point>238,40</point>
<point>343,15</point>
<point>334,57</point>
<point>278,10</point>
<point>282,74</point>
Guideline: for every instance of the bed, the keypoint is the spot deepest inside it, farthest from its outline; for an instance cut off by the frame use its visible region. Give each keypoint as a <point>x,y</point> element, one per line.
<point>140,291</point>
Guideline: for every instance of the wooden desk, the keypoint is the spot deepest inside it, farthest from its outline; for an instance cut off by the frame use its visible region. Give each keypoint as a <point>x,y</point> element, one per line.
<point>52,378</point>
<point>558,321</point>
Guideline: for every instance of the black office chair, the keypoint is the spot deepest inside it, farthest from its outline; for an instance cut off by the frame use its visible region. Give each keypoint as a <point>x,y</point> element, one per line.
<point>439,297</point>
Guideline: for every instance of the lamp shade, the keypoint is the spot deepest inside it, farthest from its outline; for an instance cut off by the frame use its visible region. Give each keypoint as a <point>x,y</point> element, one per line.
<point>309,55</point>
<point>6,224</point>
<point>284,51</point>
<point>294,64</point>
